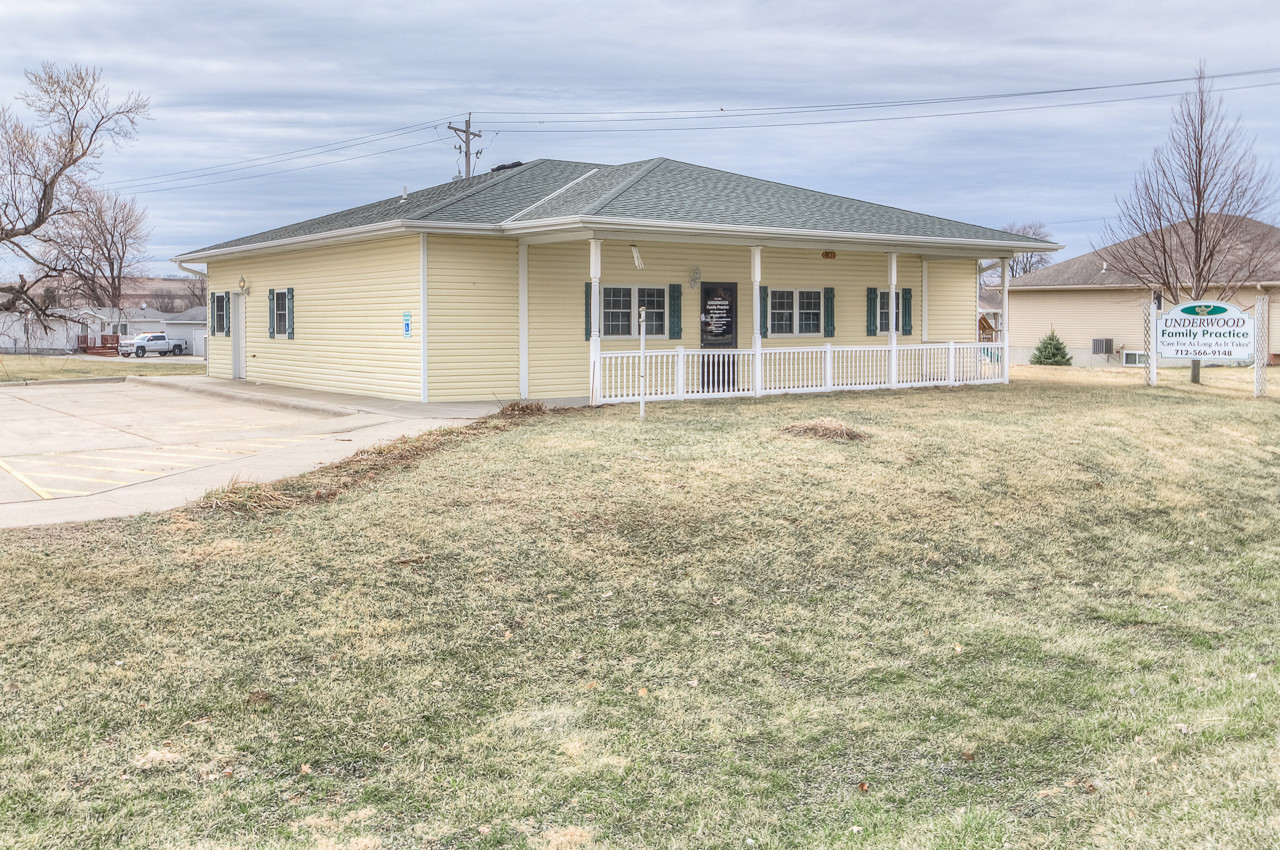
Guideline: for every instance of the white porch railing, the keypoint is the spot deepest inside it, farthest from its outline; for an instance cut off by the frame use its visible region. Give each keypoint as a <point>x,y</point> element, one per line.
<point>708,373</point>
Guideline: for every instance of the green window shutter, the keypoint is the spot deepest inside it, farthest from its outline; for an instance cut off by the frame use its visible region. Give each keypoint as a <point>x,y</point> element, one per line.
<point>587,309</point>
<point>289,297</point>
<point>828,311</point>
<point>873,311</point>
<point>226,306</point>
<point>674,325</point>
<point>271,313</point>
<point>213,313</point>
<point>764,312</point>
<point>906,312</point>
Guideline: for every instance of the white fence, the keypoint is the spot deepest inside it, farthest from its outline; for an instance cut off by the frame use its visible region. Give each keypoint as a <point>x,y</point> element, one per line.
<point>708,373</point>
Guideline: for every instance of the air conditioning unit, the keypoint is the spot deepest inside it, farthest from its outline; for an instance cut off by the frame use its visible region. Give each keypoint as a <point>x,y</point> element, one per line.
<point>1104,346</point>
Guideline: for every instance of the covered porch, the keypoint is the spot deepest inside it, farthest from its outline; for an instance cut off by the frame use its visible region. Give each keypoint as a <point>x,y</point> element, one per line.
<point>796,363</point>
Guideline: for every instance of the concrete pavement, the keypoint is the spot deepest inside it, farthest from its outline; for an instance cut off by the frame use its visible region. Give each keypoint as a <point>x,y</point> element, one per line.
<point>96,450</point>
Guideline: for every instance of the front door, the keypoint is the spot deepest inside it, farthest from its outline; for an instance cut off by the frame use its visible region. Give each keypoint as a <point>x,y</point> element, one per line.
<point>719,322</point>
<point>719,315</point>
<point>238,346</point>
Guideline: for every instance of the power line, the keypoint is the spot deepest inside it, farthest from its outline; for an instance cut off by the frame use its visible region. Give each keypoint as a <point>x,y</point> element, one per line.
<point>287,156</point>
<point>757,111</point>
<point>288,170</point>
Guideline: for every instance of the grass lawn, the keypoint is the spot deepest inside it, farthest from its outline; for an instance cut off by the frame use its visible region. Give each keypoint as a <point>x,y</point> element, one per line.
<point>1041,615</point>
<point>32,367</point>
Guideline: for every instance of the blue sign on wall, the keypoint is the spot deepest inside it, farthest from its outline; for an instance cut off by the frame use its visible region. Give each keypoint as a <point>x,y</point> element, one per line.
<point>408,324</point>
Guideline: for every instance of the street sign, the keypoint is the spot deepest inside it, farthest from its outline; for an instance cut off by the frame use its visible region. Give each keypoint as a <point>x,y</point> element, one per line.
<point>1205,330</point>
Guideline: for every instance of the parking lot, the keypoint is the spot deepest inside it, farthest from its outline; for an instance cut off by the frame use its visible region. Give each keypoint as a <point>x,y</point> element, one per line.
<point>88,450</point>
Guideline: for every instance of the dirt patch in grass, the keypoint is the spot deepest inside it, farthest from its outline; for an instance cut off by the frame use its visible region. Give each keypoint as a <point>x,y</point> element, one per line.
<point>825,428</point>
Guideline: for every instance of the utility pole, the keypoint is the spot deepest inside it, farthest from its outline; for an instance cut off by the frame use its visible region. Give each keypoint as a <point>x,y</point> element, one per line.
<point>465,135</point>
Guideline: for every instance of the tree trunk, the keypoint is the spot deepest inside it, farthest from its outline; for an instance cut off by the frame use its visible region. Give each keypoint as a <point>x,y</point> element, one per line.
<point>1195,371</point>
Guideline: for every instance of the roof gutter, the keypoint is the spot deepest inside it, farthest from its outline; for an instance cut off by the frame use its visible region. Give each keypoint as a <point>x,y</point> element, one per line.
<point>652,227</point>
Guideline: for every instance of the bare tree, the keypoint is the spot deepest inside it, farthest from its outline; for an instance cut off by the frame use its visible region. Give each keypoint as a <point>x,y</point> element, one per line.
<point>100,248</point>
<point>46,165</point>
<point>1021,264</point>
<point>167,301</point>
<point>197,291</point>
<point>1190,221</point>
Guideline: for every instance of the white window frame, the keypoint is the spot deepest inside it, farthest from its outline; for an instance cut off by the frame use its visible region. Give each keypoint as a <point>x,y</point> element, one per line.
<point>795,312</point>
<point>221,313</point>
<point>634,321</point>
<point>882,311</point>
<point>280,313</point>
<point>1136,355</point>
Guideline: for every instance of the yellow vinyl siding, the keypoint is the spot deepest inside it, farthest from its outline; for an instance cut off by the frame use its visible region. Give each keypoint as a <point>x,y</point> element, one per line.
<point>473,319</point>
<point>1078,317</point>
<point>348,303</point>
<point>558,350</point>
<point>953,301</point>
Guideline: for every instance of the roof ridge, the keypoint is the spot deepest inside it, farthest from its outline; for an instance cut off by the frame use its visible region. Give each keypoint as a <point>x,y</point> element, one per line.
<point>610,197</point>
<point>474,190</point>
<point>574,182</point>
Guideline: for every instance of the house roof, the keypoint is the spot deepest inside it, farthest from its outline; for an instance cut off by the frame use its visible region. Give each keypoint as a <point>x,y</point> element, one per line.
<point>1089,271</point>
<point>194,316</point>
<point>549,194</point>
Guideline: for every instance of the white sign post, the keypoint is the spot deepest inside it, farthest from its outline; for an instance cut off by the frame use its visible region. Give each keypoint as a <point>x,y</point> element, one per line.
<point>1205,330</point>
<point>1261,318</point>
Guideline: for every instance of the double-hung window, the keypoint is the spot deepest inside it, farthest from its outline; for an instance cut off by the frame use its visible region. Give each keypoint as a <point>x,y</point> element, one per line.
<point>884,311</point>
<point>280,312</point>
<point>221,310</point>
<point>621,310</point>
<point>795,311</point>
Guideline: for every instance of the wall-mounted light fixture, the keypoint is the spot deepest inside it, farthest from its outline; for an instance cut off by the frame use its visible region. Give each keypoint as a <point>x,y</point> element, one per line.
<point>243,284</point>
<point>695,278</point>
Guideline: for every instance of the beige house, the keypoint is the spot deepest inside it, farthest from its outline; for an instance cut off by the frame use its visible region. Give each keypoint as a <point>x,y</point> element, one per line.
<point>543,280</point>
<point>1100,315</point>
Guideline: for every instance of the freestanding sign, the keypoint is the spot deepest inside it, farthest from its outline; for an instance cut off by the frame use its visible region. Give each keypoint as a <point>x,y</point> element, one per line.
<point>1205,330</point>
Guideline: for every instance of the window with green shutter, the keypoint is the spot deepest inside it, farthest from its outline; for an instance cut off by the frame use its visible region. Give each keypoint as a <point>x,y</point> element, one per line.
<point>873,311</point>
<point>764,312</point>
<point>272,321</point>
<point>829,311</point>
<point>674,326</point>
<point>906,312</point>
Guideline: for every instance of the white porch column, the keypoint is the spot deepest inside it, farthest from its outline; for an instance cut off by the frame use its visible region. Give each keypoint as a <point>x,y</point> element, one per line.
<point>1004,318</point>
<point>522,266</point>
<point>595,321</point>
<point>924,300</point>
<point>893,320</point>
<point>757,359</point>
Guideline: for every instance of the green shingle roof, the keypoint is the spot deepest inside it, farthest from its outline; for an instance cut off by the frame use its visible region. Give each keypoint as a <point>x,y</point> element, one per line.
<point>661,190</point>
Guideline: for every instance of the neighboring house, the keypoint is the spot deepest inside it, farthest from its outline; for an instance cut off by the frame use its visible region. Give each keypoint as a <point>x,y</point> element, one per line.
<point>1100,315</point>
<point>529,282</point>
<point>23,334</point>
<point>990,307</point>
<point>191,327</point>
<point>128,321</point>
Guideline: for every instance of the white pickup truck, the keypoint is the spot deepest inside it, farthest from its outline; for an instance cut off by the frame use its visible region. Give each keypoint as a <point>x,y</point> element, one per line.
<point>142,344</point>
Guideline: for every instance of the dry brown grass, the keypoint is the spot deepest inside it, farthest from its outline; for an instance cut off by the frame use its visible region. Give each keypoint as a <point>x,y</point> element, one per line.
<point>17,368</point>
<point>1040,615</point>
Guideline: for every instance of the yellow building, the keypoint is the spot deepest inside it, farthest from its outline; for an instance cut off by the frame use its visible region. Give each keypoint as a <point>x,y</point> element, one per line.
<point>544,281</point>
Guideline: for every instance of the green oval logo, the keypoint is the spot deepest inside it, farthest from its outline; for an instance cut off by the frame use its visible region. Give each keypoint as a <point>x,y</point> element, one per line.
<point>1203,309</point>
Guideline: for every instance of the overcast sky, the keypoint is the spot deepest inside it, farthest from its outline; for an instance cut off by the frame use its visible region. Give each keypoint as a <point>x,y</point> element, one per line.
<point>232,82</point>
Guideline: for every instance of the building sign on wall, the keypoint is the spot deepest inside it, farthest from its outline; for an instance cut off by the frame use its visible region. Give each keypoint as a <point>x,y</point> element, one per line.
<point>407,319</point>
<point>1205,330</point>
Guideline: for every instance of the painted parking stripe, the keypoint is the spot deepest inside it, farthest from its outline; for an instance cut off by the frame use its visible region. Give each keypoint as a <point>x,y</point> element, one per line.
<point>83,478</point>
<point>70,492</point>
<point>58,464</point>
<point>25,481</point>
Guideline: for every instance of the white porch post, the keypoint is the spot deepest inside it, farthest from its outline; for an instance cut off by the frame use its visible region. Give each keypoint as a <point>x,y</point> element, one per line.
<point>595,321</point>
<point>1004,319</point>
<point>924,300</point>
<point>757,359</point>
<point>893,320</point>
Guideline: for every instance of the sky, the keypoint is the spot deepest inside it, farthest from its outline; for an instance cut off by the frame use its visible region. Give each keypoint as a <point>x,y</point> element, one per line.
<point>270,112</point>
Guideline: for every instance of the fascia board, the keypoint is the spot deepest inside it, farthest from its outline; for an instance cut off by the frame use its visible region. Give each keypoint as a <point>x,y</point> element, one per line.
<point>337,237</point>
<point>764,235</point>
